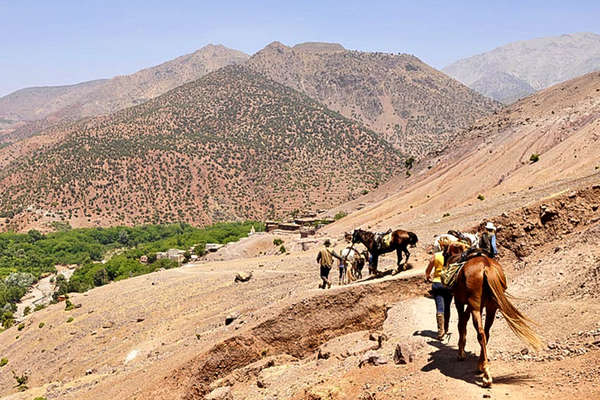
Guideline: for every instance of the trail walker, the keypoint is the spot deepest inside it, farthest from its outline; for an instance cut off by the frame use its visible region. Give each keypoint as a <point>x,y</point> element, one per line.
<point>325,260</point>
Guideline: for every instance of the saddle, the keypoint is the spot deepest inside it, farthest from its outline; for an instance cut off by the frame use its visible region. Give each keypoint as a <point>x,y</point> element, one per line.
<point>383,239</point>
<point>472,253</point>
<point>450,273</point>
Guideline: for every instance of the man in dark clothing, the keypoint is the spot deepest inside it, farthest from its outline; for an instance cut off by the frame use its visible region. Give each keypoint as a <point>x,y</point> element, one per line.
<point>487,241</point>
<point>325,260</point>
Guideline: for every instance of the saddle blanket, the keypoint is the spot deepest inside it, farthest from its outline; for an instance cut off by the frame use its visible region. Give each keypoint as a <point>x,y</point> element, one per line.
<point>450,273</point>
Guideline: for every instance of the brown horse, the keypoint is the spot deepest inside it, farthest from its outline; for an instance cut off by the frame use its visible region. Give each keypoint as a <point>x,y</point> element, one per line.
<point>481,284</point>
<point>399,241</point>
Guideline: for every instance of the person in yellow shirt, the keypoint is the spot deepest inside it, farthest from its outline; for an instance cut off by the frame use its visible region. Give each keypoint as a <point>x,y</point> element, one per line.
<point>441,294</point>
<point>325,260</point>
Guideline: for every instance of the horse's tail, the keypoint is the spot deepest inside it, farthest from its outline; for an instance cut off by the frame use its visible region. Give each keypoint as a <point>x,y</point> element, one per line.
<point>496,281</point>
<point>412,237</point>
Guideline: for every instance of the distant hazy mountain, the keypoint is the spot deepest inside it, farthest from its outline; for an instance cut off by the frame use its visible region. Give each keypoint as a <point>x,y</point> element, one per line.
<point>108,95</point>
<point>410,104</point>
<point>518,69</point>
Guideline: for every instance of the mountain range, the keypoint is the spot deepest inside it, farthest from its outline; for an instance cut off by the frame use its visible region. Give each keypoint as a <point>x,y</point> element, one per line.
<point>47,105</point>
<point>518,69</point>
<point>413,106</point>
<point>231,145</point>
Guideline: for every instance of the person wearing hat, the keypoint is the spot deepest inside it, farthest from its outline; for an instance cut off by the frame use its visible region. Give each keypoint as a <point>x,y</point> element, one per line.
<point>325,260</point>
<point>487,241</point>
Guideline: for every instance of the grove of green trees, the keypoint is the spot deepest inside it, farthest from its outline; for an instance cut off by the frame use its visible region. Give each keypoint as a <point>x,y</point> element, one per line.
<point>24,258</point>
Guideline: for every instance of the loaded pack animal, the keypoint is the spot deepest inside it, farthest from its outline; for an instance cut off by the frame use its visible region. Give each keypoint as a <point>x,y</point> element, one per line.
<point>378,244</point>
<point>472,239</point>
<point>355,260</point>
<point>480,285</point>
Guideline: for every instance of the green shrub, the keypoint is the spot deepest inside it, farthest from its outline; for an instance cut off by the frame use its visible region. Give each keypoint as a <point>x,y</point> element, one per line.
<point>41,325</point>
<point>534,158</point>
<point>282,249</point>
<point>21,326</point>
<point>480,197</point>
<point>26,310</point>
<point>21,380</point>
<point>39,307</point>
<point>277,242</point>
<point>408,163</point>
<point>71,319</point>
<point>340,215</point>
<point>68,305</point>
<point>3,361</point>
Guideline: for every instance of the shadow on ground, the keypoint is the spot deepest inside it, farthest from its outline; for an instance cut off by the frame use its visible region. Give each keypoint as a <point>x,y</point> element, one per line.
<point>445,360</point>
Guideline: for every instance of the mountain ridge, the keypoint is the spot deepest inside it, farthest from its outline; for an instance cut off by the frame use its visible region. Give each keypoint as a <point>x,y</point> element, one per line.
<point>230,145</point>
<point>411,104</point>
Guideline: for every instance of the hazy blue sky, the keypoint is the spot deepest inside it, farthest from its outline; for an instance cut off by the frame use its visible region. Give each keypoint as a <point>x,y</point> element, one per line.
<point>48,42</point>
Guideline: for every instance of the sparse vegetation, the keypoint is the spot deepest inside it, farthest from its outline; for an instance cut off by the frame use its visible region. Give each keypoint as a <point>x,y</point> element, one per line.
<point>282,249</point>
<point>340,215</point>
<point>21,381</point>
<point>3,361</point>
<point>129,170</point>
<point>534,158</point>
<point>409,162</point>
<point>41,325</point>
<point>277,242</point>
<point>70,319</point>
<point>480,197</point>
<point>21,326</point>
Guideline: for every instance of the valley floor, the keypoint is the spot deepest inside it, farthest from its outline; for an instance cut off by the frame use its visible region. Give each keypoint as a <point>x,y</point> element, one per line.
<point>163,336</point>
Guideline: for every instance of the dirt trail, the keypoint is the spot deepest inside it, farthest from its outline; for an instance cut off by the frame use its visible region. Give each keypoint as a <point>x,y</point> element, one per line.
<point>41,292</point>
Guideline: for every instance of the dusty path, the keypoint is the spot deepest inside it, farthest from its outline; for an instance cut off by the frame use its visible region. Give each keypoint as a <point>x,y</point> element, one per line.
<point>41,292</point>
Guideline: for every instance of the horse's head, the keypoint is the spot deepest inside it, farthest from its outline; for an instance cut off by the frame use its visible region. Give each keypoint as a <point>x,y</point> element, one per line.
<point>356,236</point>
<point>348,236</point>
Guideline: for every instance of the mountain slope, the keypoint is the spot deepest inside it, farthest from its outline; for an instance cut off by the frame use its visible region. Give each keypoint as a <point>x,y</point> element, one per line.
<point>232,144</point>
<point>108,95</point>
<point>561,124</point>
<point>413,106</point>
<point>534,64</point>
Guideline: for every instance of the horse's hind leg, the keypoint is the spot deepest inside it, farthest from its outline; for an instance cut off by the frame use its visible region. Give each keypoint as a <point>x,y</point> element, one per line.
<point>463,319</point>
<point>482,365</point>
<point>490,315</point>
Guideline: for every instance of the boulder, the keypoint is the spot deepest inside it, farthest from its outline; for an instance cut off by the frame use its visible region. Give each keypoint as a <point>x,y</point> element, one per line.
<point>231,317</point>
<point>243,277</point>
<point>221,393</point>
<point>406,352</point>
<point>372,357</point>
<point>547,214</point>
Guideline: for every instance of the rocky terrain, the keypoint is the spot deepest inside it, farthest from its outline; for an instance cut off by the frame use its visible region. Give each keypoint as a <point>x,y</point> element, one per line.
<point>46,105</point>
<point>193,332</point>
<point>518,69</point>
<point>231,145</point>
<point>412,105</point>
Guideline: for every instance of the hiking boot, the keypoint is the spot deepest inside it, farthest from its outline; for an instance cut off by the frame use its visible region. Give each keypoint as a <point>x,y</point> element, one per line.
<point>440,326</point>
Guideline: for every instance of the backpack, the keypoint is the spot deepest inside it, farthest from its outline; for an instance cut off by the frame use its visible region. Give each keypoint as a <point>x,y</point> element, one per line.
<point>326,258</point>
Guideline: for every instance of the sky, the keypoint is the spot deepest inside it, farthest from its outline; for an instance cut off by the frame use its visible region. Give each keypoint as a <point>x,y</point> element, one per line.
<point>54,42</point>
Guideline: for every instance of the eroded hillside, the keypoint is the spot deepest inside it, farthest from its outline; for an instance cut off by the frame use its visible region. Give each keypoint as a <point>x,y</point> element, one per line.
<point>233,144</point>
<point>413,106</point>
